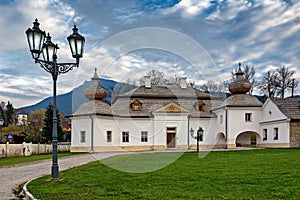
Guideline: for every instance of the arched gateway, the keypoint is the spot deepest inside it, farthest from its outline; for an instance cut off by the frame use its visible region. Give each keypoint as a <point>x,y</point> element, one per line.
<point>247,139</point>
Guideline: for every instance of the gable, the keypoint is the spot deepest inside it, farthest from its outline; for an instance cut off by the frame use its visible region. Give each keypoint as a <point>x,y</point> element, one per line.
<point>171,107</point>
<point>271,112</point>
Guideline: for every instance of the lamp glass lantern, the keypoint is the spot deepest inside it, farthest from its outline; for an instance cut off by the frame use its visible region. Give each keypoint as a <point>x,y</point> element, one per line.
<point>200,133</point>
<point>49,49</point>
<point>35,38</point>
<point>192,132</point>
<point>76,42</point>
<point>1,124</point>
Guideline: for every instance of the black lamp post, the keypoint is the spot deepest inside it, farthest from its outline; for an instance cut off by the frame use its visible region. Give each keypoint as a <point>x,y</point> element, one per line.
<point>199,136</point>
<point>1,124</point>
<point>38,45</point>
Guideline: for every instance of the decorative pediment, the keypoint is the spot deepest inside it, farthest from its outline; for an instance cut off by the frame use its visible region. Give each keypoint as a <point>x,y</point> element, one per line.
<point>172,107</point>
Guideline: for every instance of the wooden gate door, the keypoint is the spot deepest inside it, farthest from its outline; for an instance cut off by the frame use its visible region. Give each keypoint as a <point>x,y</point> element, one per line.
<point>171,137</point>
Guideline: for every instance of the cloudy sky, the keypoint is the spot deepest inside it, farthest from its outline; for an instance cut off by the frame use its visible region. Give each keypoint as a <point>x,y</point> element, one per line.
<point>198,39</point>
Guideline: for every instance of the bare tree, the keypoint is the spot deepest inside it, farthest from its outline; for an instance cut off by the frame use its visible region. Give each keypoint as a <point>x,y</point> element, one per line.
<point>285,78</point>
<point>269,84</point>
<point>122,88</point>
<point>250,76</point>
<point>36,120</point>
<point>157,78</point>
<point>214,88</point>
<point>276,83</point>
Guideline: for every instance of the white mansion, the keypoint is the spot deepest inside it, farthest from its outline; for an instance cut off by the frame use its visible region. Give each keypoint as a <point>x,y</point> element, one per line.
<point>159,117</point>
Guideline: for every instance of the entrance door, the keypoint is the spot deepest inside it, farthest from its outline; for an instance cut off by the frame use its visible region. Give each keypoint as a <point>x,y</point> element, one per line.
<point>171,137</point>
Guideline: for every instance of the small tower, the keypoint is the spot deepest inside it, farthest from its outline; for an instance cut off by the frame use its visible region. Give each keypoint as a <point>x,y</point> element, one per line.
<point>240,85</point>
<point>95,91</point>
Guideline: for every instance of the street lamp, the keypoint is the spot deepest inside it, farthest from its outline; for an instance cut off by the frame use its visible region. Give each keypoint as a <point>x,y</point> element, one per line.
<point>1,124</point>
<point>41,130</point>
<point>38,45</point>
<point>199,136</point>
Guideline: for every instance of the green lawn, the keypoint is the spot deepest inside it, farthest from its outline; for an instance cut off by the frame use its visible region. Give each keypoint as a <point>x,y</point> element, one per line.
<point>255,174</point>
<point>24,159</point>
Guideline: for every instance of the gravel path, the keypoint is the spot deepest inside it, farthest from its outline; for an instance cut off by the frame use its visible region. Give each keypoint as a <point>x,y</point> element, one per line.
<point>14,175</point>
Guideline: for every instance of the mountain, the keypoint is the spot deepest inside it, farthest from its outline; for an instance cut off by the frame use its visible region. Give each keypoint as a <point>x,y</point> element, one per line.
<point>70,102</point>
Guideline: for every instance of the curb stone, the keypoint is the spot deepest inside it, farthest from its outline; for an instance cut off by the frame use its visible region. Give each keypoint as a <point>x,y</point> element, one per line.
<point>27,194</point>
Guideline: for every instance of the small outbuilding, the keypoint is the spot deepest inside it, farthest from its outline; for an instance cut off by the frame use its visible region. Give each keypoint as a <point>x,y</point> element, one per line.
<point>16,137</point>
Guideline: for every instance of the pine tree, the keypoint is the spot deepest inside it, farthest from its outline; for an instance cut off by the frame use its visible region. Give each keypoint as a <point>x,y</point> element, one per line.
<point>48,124</point>
<point>10,111</point>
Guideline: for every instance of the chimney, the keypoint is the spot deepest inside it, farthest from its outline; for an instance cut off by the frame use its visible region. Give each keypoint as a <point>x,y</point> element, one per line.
<point>182,82</point>
<point>147,82</point>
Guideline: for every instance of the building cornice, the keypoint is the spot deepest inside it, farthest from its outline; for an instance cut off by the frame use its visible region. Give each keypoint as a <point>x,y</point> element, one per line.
<point>276,121</point>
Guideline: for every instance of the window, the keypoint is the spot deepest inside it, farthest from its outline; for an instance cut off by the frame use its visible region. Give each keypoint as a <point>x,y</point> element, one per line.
<point>82,136</point>
<point>199,106</point>
<point>108,136</point>
<point>265,134</point>
<point>248,117</point>
<point>125,136</point>
<point>144,136</point>
<point>275,133</point>
<point>136,105</point>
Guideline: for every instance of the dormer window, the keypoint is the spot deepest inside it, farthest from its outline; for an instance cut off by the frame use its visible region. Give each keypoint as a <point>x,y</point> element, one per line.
<point>136,105</point>
<point>199,106</point>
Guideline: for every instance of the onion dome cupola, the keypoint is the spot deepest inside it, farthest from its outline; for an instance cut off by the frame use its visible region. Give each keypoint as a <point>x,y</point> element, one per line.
<point>95,91</point>
<point>240,85</point>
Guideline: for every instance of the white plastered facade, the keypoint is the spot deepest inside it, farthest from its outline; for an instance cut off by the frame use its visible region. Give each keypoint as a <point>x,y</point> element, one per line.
<point>170,124</point>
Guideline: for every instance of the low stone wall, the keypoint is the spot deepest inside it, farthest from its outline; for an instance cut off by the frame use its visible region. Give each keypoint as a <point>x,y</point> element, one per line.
<point>28,149</point>
<point>295,134</point>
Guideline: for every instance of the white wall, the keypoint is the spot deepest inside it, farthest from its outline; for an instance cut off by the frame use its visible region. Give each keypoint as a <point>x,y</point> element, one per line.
<point>210,130</point>
<point>271,112</point>
<point>272,118</point>
<point>81,124</point>
<point>237,123</point>
<point>164,120</point>
<point>134,126</point>
<point>283,132</point>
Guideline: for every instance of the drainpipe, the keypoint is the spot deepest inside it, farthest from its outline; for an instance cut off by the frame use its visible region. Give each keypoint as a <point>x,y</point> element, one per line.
<point>226,128</point>
<point>92,134</point>
<point>153,131</point>
<point>188,133</point>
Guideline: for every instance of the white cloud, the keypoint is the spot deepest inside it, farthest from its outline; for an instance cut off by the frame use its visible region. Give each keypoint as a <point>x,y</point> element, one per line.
<point>54,17</point>
<point>221,34</point>
<point>189,8</point>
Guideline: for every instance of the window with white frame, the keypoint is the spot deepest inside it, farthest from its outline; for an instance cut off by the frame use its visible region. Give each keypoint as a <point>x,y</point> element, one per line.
<point>108,136</point>
<point>125,136</point>
<point>82,136</point>
<point>265,134</point>
<point>275,133</point>
<point>248,117</point>
<point>144,136</point>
